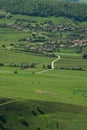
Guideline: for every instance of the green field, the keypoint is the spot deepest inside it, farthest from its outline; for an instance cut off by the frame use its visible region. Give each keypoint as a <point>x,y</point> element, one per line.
<point>7,57</point>
<point>52,92</point>
<point>70,60</point>
<point>38,98</point>
<point>65,83</point>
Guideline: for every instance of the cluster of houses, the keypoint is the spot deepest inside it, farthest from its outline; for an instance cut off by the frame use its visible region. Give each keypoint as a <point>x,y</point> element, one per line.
<point>46,47</point>
<point>50,47</point>
<point>81,43</point>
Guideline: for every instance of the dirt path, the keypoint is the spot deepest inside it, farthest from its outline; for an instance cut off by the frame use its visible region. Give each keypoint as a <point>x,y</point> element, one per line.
<point>8,102</point>
<point>52,65</point>
<point>72,77</point>
<point>43,71</point>
<point>53,62</point>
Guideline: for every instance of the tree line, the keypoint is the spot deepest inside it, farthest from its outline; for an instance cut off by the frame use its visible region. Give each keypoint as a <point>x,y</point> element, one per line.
<point>46,8</point>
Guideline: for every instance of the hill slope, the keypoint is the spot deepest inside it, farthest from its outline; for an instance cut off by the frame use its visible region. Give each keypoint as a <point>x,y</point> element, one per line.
<point>76,11</point>
<point>37,115</point>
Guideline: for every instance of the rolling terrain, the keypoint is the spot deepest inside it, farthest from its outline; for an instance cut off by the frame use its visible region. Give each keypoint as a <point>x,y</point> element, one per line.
<point>33,95</point>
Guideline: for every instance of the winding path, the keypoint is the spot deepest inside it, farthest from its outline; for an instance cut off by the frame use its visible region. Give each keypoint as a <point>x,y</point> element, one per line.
<point>53,62</point>
<point>52,65</point>
<point>9,102</point>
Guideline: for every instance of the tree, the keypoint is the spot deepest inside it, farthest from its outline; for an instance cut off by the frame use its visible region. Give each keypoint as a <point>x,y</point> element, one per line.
<point>85,53</point>
<point>49,66</point>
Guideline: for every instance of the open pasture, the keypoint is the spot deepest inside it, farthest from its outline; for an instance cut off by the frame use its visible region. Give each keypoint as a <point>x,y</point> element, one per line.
<point>59,86</point>
<point>10,35</point>
<point>42,99</point>
<point>8,57</point>
<point>71,61</point>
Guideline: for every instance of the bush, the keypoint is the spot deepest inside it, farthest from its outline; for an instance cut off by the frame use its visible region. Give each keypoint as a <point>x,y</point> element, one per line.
<point>72,68</point>
<point>34,113</point>
<point>84,53</point>
<point>23,121</point>
<point>15,72</point>
<point>38,128</point>
<point>13,65</point>
<point>2,119</point>
<point>49,66</point>
<point>1,64</point>
<point>41,112</point>
<point>84,56</point>
<point>24,65</point>
<point>32,65</point>
<point>44,66</point>
<point>3,46</point>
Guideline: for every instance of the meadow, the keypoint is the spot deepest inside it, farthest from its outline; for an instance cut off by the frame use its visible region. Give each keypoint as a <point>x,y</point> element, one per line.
<point>39,98</point>
<point>71,60</point>
<point>61,96</point>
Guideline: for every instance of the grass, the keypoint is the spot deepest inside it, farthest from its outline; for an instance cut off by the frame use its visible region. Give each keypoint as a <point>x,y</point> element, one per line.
<point>9,35</point>
<point>8,57</point>
<point>42,115</point>
<point>16,85</point>
<point>69,60</point>
<point>54,100</point>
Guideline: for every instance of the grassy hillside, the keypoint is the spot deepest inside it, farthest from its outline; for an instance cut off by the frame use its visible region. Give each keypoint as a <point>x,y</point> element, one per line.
<point>59,100</point>
<point>33,97</point>
<point>38,115</point>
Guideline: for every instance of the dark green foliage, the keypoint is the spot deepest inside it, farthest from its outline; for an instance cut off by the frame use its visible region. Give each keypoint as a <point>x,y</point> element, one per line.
<point>49,66</point>
<point>72,68</point>
<point>3,46</point>
<point>38,129</point>
<point>2,119</point>
<point>1,64</point>
<point>23,121</point>
<point>44,66</point>
<point>32,65</point>
<point>41,112</point>
<point>34,113</point>
<point>76,11</point>
<point>2,122</point>
<point>15,72</point>
<point>13,65</point>
<point>79,49</point>
<point>85,53</point>
<point>25,65</point>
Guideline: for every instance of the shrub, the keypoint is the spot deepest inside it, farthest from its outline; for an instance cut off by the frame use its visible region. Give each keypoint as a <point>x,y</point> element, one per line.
<point>85,53</point>
<point>32,65</point>
<point>13,65</point>
<point>40,110</point>
<point>2,119</point>
<point>11,44</point>
<point>84,56</point>
<point>23,121</point>
<point>3,46</point>
<point>38,128</point>
<point>34,113</point>
<point>44,66</point>
<point>49,66</point>
<point>15,72</point>
<point>24,65</point>
<point>1,64</point>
